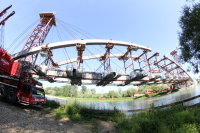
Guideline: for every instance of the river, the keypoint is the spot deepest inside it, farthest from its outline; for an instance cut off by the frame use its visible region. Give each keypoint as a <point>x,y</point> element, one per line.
<point>140,103</point>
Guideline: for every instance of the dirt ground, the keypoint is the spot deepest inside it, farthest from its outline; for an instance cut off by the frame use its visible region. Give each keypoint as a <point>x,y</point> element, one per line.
<point>21,119</point>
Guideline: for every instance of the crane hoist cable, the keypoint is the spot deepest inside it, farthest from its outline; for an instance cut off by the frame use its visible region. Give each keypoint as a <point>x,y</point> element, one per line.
<point>2,34</point>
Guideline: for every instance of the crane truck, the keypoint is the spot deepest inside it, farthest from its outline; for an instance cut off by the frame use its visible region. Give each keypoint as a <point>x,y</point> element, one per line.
<point>15,87</point>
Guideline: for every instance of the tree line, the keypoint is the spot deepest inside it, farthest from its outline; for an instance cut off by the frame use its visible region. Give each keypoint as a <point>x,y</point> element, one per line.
<point>84,92</point>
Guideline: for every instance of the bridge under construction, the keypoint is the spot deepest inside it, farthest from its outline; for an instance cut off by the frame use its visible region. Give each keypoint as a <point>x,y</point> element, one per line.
<point>108,62</point>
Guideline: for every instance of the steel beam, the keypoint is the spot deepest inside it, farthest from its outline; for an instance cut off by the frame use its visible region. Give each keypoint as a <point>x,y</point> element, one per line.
<point>71,43</point>
<point>80,48</point>
<point>90,57</point>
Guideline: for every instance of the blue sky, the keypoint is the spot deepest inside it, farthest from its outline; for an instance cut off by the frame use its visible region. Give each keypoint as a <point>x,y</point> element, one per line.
<point>152,23</point>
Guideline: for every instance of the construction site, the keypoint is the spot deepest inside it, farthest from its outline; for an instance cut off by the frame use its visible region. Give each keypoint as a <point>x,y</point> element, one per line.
<point>89,61</point>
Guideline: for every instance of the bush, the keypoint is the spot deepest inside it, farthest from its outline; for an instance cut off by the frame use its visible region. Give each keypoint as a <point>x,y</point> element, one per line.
<point>188,128</point>
<point>112,94</point>
<point>69,110</point>
<point>51,104</point>
<point>176,119</point>
<point>117,116</point>
<point>73,111</point>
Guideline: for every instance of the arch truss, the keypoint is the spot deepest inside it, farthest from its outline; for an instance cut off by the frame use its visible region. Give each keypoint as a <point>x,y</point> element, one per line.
<point>132,64</point>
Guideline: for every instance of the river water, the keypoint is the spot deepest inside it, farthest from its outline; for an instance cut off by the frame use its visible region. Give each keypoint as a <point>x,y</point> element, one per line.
<point>140,103</point>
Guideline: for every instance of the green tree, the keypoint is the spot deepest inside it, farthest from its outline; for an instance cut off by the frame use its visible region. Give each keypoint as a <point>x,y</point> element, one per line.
<point>93,91</point>
<point>143,88</point>
<point>125,94</point>
<point>74,91</point>
<point>130,92</point>
<point>189,36</point>
<point>120,91</point>
<point>84,89</point>
<point>113,94</point>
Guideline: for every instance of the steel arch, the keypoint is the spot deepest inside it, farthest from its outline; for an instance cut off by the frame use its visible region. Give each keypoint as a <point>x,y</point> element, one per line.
<point>157,69</point>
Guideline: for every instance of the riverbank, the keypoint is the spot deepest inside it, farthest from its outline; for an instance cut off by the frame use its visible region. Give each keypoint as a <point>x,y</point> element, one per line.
<point>101,122</point>
<point>41,119</point>
<point>175,119</point>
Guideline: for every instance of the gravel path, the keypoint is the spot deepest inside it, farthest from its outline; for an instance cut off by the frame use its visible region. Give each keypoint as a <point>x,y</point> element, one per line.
<point>106,127</point>
<point>19,119</point>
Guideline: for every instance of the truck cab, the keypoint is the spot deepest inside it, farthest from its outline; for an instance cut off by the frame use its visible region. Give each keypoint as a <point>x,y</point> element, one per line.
<point>31,95</point>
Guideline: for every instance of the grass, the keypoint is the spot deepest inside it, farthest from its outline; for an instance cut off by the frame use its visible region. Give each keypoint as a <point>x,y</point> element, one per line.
<point>51,104</point>
<point>176,119</point>
<point>78,113</point>
<point>71,111</point>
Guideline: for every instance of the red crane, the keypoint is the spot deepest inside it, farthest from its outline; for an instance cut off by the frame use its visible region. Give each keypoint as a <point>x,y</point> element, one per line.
<point>16,81</point>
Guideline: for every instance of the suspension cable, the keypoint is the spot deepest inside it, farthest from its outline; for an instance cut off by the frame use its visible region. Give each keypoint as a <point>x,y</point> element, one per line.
<point>118,49</point>
<point>95,56</point>
<point>69,32</point>
<point>79,30</point>
<point>87,65</point>
<point>53,28</point>
<point>59,36</point>
<point>65,51</point>
<point>74,31</point>
<point>20,35</point>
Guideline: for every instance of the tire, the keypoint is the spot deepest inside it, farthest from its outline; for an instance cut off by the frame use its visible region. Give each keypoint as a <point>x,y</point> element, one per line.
<point>12,96</point>
<point>3,93</point>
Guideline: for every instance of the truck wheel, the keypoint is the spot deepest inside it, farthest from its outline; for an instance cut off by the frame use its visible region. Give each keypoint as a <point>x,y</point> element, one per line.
<point>12,96</point>
<point>3,93</point>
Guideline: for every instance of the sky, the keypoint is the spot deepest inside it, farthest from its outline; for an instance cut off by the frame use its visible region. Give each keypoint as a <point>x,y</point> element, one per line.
<point>152,23</point>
